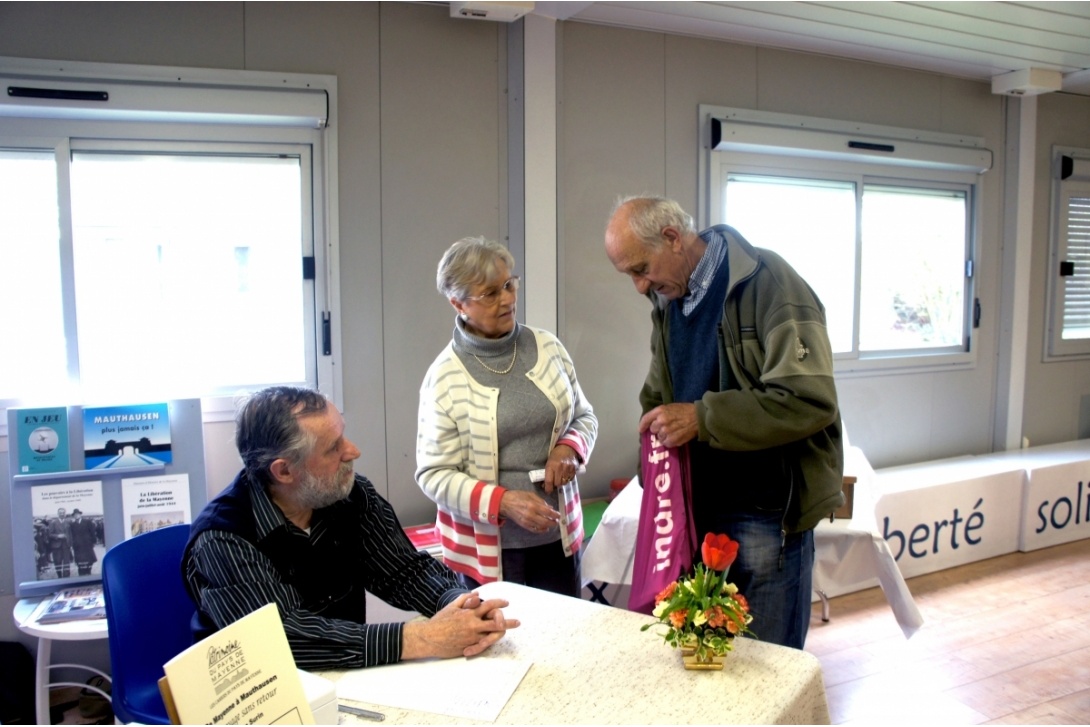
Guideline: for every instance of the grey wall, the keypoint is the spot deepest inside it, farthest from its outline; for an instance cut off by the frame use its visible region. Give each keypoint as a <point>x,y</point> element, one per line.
<point>421,128</point>
<point>629,125</point>
<point>422,160</point>
<point>443,131</point>
<point>1056,392</point>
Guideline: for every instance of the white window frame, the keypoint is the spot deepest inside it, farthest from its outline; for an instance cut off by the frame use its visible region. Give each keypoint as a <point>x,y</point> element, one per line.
<point>235,110</point>
<point>1076,183</point>
<point>754,142</point>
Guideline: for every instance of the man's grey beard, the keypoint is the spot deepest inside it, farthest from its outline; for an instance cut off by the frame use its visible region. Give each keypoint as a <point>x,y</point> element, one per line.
<point>318,492</point>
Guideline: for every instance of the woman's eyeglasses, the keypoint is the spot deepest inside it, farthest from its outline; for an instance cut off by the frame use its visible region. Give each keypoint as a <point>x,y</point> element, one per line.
<point>511,285</point>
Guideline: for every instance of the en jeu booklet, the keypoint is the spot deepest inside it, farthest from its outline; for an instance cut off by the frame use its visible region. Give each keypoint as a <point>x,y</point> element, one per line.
<point>43,440</point>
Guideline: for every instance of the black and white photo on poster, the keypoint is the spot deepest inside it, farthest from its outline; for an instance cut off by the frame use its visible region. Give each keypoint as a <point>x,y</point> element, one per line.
<point>69,529</point>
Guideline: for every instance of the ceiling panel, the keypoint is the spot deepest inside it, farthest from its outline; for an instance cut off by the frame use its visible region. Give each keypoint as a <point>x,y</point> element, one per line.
<point>975,40</point>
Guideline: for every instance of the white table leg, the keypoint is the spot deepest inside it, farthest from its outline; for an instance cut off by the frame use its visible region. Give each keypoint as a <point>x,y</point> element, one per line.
<point>46,634</point>
<point>41,680</point>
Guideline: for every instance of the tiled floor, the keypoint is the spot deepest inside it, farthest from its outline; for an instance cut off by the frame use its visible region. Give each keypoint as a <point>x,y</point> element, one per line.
<point>66,707</point>
<point>1004,641</point>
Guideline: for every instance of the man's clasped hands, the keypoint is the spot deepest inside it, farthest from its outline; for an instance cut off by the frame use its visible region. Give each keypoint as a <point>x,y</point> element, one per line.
<point>465,627</point>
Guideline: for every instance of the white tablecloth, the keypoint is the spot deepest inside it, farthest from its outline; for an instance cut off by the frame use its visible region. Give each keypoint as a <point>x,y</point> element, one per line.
<point>591,664</point>
<point>608,555</point>
<point>852,554</point>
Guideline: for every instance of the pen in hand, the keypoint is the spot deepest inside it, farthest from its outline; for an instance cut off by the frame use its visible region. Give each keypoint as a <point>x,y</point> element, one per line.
<point>365,713</point>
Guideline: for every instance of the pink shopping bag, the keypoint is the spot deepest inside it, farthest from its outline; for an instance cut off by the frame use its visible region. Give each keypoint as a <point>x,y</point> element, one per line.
<point>666,535</point>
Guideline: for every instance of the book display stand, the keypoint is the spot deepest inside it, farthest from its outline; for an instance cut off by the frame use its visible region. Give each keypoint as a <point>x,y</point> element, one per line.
<point>47,456</point>
<point>36,496</point>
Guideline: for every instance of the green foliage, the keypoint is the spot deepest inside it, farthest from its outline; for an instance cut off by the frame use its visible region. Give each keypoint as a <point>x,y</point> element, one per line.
<point>702,612</point>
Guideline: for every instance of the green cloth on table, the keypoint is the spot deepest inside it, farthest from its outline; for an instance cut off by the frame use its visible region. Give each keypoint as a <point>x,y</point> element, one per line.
<point>592,515</point>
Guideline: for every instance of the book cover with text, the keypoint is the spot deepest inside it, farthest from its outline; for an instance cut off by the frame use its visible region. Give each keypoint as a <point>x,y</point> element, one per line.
<point>242,674</point>
<point>43,440</point>
<point>126,436</point>
<point>150,503</point>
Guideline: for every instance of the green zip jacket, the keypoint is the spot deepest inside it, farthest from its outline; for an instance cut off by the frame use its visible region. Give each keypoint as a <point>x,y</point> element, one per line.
<point>775,378</point>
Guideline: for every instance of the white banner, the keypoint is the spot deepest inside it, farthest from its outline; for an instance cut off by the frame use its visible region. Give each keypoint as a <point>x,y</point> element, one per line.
<point>953,523</point>
<point>1056,506</point>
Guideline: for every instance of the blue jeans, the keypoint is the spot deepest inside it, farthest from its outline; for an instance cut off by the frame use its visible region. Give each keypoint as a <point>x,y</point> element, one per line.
<point>777,587</point>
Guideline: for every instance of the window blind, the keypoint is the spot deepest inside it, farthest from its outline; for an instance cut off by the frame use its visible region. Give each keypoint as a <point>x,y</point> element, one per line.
<point>1075,268</point>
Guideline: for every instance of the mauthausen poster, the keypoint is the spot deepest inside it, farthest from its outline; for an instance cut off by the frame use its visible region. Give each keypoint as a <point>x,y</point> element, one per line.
<point>69,532</point>
<point>150,503</point>
<point>126,436</point>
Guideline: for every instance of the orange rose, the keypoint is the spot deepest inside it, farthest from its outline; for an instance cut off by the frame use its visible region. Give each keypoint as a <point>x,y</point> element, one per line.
<point>732,626</point>
<point>742,602</point>
<point>716,618</point>
<point>666,593</point>
<point>677,618</point>
<point>718,551</point>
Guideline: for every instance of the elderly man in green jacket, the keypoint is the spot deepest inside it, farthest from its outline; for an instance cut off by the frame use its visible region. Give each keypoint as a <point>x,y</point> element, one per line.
<point>742,371</point>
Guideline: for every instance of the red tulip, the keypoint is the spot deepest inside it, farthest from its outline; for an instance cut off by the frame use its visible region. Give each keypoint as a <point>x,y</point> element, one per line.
<point>718,551</point>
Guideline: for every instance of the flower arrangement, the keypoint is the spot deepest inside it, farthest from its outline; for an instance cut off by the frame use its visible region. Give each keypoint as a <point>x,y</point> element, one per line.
<point>704,612</point>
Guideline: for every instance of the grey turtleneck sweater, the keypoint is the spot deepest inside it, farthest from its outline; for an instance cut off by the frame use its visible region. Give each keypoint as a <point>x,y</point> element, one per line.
<point>524,414</point>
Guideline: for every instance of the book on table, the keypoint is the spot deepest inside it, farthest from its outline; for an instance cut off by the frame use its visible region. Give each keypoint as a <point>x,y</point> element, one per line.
<point>242,674</point>
<point>80,603</point>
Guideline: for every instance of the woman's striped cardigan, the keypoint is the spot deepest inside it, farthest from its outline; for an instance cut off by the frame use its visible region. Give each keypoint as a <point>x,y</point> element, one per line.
<point>457,450</point>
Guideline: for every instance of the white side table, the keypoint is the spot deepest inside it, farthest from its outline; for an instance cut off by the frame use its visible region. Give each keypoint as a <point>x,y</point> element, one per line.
<point>25,615</point>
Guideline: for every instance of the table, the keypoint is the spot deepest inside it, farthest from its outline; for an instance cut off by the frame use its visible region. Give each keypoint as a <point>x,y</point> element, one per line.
<point>25,615</point>
<point>848,557</point>
<point>591,664</point>
<point>849,554</point>
<point>609,554</point>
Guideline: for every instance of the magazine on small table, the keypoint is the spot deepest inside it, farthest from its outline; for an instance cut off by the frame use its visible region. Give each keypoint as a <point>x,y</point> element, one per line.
<point>74,604</point>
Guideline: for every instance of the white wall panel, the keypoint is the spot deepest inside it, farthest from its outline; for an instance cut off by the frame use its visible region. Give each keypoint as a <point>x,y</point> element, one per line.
<point>440,103</point>
<point>613,134</point>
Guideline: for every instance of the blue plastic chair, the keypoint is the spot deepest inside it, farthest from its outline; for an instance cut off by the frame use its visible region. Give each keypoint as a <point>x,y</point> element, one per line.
<point>148,611</point>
